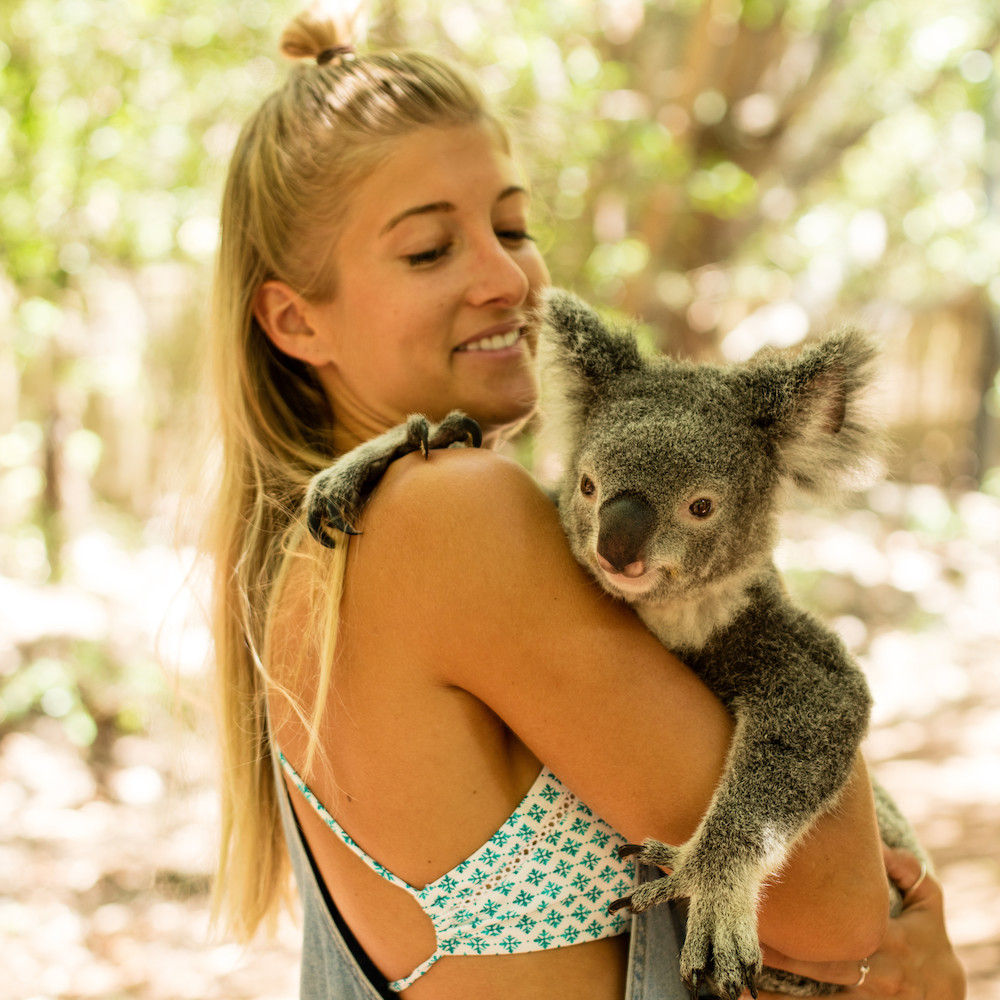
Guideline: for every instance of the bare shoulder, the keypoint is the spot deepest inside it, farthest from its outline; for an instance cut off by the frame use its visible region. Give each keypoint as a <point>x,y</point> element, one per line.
<point>464,511</point>
<point>458,480</point>
<point>467,553</point>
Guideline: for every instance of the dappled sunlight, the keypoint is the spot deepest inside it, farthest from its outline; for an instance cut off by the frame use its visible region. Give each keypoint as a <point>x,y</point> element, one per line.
<point>109,836</point>
<point>734,174</point>
<point>914,591</point>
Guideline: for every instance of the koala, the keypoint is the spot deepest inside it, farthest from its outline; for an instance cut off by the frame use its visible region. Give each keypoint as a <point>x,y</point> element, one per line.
<point>675,475</point>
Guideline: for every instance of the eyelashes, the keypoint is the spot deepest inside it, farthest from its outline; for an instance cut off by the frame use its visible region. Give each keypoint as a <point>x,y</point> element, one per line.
<point>427,256</point>
<point>511,237</point>
<point>515,236</point>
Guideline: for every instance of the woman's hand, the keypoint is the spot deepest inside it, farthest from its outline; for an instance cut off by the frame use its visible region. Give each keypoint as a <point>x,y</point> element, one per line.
<point>915,960</point>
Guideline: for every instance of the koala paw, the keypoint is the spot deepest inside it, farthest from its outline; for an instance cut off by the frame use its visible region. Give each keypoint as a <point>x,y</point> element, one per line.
<point>336,496</point>
<point>721,948</point>
<point>659,855</point>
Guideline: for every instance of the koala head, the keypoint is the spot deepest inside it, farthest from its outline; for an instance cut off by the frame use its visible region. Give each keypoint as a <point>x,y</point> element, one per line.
<point>675,472</point>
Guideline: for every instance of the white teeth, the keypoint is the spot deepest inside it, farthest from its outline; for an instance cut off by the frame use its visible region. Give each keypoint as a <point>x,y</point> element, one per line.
<point>495,343</point>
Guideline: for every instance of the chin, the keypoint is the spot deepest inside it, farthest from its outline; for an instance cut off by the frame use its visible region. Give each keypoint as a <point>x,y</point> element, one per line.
<point>503,420</point>
<point>506,413</point>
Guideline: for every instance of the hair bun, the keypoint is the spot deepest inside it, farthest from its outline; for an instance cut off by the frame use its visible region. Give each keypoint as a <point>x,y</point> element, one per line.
<point>329,28</point>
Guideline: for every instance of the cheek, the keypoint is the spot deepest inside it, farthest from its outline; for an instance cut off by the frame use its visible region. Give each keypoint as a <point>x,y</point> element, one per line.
<point>536,271</point>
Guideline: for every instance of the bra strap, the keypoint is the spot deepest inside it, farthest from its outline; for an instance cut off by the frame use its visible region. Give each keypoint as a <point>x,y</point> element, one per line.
<point>324,815</point>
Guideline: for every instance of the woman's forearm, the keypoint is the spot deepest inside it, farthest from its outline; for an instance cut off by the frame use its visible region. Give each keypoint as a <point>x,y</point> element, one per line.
<point>838,862</point>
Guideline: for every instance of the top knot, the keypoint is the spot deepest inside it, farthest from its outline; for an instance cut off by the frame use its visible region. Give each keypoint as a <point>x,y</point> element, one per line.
<point>328,30</point>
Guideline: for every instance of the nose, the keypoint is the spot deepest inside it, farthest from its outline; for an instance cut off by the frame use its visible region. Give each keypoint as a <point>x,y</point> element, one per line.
<point>497,277</point>
<point>625,526</point>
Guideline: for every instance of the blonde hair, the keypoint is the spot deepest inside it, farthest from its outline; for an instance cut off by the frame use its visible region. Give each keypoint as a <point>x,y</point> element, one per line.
<point>289,184</point>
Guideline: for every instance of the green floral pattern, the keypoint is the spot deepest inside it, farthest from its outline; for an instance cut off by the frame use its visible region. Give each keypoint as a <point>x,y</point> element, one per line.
<point>543,880</point>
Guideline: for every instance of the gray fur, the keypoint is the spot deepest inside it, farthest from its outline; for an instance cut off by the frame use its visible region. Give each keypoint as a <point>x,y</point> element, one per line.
<point>675,474</point>
<point>336,496</point>
<point>655,437</point>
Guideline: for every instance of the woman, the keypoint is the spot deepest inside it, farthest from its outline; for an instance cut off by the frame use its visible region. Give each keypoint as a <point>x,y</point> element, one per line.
<point>443,695</point>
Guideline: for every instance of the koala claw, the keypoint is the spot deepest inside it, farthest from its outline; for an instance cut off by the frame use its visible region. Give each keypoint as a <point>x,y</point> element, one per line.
<point>721,949</point>
<point>419,434</point>
<point>654,853</point>
<point>336,520</point>
<point>745,981</point>
<point>457,428</point>
<point>694,983</point>
<point>336,495</point>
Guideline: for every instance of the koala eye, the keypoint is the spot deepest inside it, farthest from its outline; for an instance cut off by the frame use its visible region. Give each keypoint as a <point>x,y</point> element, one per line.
<point>701,508</point>
<point>587,486</point>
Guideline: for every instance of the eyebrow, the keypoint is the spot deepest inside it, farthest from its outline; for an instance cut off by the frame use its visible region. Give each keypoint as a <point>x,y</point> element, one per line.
<point>443,206</point>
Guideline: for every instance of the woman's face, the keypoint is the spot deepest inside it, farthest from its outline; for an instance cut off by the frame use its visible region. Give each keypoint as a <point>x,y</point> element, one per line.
<point>435,276</point>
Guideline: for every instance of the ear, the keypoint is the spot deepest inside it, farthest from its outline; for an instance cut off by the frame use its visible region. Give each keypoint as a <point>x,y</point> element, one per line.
<point>580,348</point>
<point>285,318</point>
<point>813,408</point>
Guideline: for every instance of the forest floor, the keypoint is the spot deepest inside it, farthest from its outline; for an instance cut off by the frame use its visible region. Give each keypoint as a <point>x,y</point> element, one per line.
<point>106,843</point>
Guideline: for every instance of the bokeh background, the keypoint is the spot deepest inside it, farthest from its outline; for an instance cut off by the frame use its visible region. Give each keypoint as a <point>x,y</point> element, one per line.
<point>734,172</point>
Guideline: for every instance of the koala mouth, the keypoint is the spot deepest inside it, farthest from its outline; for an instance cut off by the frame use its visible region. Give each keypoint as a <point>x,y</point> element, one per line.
<point>632,586</point>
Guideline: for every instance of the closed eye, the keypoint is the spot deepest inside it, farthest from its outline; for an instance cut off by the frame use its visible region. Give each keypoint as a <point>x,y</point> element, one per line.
<point>427,256</point>
<point>514,235</point>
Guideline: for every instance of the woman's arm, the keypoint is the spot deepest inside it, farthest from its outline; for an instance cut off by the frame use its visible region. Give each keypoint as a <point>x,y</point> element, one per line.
<point>915,960</point>
<point>519,625</point>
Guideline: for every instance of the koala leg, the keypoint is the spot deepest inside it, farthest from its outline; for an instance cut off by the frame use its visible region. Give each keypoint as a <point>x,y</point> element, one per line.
<point>336,496</point>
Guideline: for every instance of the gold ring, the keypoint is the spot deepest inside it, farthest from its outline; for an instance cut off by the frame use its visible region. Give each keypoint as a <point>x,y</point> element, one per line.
<point>864,970</point>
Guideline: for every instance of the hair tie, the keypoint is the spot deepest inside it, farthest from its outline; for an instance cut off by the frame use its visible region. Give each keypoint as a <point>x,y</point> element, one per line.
<point>334,52</point>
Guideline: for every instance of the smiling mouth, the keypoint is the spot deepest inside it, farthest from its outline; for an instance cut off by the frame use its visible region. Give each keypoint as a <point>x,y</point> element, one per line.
<point>495,343</point>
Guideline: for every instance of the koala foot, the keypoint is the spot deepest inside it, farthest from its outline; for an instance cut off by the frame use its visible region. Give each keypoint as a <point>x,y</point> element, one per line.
<point>721,948</point>
<point>336,495</point>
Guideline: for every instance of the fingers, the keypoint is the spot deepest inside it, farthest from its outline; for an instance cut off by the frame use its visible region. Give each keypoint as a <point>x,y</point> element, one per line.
<point>911,875</point>
<point>845,974</point>
<point>902,866</point>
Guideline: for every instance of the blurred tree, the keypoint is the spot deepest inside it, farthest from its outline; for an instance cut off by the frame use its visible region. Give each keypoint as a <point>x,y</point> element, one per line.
<point>734,171</point>
<point>115,117</point>
<point>115,121</point>
<point>741,172</point>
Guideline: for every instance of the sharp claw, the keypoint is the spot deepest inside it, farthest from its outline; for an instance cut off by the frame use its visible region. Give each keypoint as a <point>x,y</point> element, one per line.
<point>424,436</point>
<point>694,986</point>
<point>620,904</point>
<point>750,981</point>
<point>474,431</point>
<point>627,850</point>
<point>338,522</point>
<point>316,526</point>
<point>319,523</point>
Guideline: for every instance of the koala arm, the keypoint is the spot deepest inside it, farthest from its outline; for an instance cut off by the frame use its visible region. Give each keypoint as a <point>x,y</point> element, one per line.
<point>500,609</point>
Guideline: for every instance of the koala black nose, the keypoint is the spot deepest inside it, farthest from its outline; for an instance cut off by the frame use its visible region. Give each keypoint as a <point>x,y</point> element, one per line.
<point>625,524</point>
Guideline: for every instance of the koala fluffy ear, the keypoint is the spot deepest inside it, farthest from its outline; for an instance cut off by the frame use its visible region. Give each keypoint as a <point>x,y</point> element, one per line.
<point>580,348</point>
<point>813,405</point>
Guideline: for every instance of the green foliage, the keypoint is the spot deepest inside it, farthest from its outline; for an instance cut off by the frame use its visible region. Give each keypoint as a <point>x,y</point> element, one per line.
<point>116,116</point>
<point>702,163</point>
